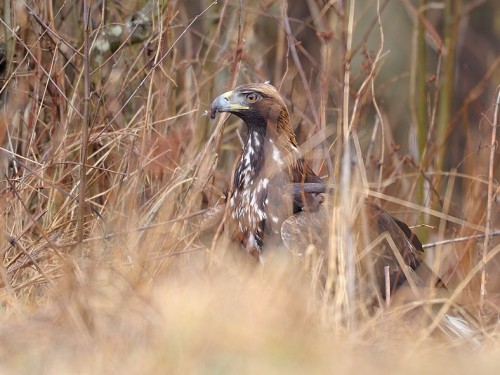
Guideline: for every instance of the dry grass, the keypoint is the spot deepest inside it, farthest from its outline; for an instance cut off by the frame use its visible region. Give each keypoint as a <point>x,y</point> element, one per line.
<point>115,277</point>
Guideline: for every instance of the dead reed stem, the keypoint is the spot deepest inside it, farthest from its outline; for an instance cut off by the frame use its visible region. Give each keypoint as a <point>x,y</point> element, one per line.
<point>489,202</point>
<point>85,124</point>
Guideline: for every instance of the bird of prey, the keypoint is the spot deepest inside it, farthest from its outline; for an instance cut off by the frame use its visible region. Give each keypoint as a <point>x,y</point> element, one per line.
<point>262,207</point>
<point>276,195</point>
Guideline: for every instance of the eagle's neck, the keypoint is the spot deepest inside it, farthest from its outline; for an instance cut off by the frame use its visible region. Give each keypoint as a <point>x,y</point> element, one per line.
<point>251,160</point>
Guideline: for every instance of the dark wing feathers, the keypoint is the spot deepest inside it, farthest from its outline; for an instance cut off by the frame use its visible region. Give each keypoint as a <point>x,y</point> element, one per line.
<point>409,234</point>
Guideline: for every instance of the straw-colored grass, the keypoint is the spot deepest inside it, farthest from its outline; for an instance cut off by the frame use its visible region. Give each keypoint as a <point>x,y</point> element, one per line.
<point>105,267</point>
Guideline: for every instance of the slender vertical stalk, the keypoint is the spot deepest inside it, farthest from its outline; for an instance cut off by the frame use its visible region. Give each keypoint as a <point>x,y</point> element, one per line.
<point>421,109</point>
<point>86,120</point>
<point>420,105</point>
<point>487,233</point>
<point>345,177</point>
<point>447,88</point>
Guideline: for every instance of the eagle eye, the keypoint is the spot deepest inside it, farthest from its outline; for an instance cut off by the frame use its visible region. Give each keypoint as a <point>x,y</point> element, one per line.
<point>252,97</point>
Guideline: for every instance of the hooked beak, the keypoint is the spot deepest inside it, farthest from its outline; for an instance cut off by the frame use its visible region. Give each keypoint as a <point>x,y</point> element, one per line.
<point>227,102</point>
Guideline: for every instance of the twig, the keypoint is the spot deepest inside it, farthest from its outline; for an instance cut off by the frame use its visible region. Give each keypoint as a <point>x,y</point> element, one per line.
<point>32,260</point>
<point>12,240</point>
<point>86,121</point>
<point>387,277</point>
<point>34,220</point>
<point>53,35</point>
<point>487,234</point>
<point>39,64</point>
<point>346,176</point>
<point>298,65</point>
<point>152,69</point>
<point>375,22</point>
<point>460,239</point>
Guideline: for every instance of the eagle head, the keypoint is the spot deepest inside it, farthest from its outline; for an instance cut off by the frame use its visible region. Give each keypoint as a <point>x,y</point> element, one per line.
<point>259,105</point>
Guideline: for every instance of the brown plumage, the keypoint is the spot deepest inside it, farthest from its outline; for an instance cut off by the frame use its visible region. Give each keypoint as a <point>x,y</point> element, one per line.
<point>276,195</point>
<point>269,162</point>
<point>260,207</point>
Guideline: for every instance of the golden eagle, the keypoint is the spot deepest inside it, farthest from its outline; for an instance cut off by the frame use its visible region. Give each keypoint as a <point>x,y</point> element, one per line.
<point>276,196</point>
<point>262,204</point>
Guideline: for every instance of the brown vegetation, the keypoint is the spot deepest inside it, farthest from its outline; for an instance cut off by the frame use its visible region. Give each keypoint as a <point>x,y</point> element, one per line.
<point>104,266</point>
